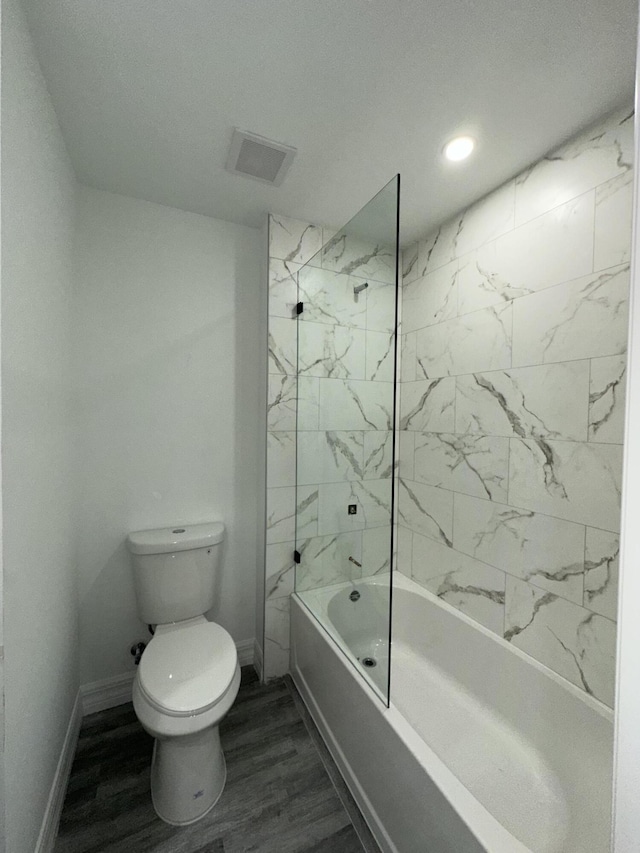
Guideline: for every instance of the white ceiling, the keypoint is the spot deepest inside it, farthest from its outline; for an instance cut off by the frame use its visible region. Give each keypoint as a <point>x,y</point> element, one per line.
<point>148,91</point>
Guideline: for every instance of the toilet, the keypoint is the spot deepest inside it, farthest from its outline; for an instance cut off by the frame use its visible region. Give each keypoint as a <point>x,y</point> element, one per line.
<point>188,677</point>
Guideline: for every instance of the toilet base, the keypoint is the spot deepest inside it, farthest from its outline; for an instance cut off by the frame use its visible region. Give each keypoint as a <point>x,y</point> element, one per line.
<point>188,775</point>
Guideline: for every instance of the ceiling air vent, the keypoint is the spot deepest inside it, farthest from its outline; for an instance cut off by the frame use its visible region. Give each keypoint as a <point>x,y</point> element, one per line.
<point>256,157</point>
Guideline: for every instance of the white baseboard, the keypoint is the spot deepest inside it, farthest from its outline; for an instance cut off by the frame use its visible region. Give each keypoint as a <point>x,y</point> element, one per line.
<point>51,819</point>
<point>257,659</point>
<point>93,697</point>
<point>110,692</point>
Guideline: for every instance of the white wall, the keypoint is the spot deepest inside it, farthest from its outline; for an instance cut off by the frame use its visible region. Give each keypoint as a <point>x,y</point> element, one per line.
<point>38,435</point>
<point>168,318</point>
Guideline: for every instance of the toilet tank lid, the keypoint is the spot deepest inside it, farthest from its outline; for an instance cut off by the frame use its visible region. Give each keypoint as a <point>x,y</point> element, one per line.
<point>178,538</point>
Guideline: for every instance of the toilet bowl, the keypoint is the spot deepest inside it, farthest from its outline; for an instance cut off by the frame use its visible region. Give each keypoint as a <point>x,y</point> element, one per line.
<point>188,677</point>
<point>187,680</point>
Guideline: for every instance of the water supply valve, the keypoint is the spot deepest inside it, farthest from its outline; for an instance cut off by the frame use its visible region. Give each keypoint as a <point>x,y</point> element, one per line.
<point>136,651</point>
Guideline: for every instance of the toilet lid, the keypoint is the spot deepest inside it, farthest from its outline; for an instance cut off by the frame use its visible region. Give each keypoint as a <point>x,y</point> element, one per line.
<point>187,668</point>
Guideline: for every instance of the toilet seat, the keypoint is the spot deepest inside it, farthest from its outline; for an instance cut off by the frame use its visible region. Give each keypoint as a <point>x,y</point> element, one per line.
<point>187,667</point>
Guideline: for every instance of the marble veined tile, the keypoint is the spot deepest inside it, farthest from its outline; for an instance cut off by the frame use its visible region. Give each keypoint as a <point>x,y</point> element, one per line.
<point>376,550</point>
<point>557,246</point>
<point>431,299</point>
<point>480,284</point>
<point>281,458</point>
<point>283,514</point>
<point>281,511</point>
<point>281,403</point>
<point>435,250</point>
<point>405,550</point>
<point>352,405</point>
<point>308,402</point>
<point>467,584</point>
<point>547,551</point>
<point>279,570</point>
<point>474,342</point>
<point>283,287</point>
<point>407,450</point>
<point>330,457</point>
<point>283,336</point>
<point>614,204</point>
<point>324,560</point>
<point>331,351</point>
<point>328,297</point>
<point>380,351</point>
<point>601,562</point>
<point>592,158</point>
<point>293,240</point>
<point>471,464</point>
<point>381,306</point>
<point>372,499</point>
<point>571,480</point>
<point>276,637</point>
<point>607,399</point>
<point>428,404</point>
<point>484,221</point>
<point>378,454</point>
<point>409,263</point>
<point>347,253</point>
<point>531,402</point>
<point>328,234</point>
<point>426,510</point>
<point>408,357</point>
<point>487,219</point>
<point>581,319</point>
<point>307,510</point>
<point>284,394</point>
<point>576,643</point>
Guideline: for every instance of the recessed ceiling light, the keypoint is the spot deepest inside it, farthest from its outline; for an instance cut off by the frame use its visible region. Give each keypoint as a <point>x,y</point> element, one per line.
<point>459,148</point>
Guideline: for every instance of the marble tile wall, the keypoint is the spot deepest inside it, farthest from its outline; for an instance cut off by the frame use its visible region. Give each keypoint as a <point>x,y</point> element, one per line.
<point>512,401</point>
<point>345,350</point>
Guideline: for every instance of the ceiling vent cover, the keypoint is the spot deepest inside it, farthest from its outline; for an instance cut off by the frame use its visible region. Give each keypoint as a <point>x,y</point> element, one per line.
<point>256,157</point>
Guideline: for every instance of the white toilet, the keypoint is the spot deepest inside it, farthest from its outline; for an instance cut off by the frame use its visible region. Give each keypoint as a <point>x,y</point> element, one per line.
<point>188,676</point>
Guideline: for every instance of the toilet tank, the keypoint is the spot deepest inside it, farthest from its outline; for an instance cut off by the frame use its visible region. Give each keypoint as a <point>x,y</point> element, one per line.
<point>174,570</point>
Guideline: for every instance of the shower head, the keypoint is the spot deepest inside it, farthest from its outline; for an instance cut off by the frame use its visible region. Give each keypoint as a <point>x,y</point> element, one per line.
<point>360,287</point>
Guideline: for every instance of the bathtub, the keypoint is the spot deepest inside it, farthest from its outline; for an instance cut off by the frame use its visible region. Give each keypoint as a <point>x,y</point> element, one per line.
<point>482,748</point>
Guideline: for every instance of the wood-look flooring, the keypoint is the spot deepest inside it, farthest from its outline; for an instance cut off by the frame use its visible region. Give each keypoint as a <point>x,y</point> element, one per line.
<point>279,797</point>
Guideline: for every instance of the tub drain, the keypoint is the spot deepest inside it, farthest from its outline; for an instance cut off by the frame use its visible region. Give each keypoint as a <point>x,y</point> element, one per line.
<point>369,662</point>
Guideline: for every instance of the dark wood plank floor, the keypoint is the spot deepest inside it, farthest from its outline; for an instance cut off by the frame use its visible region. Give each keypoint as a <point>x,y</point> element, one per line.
<point>278,798</point>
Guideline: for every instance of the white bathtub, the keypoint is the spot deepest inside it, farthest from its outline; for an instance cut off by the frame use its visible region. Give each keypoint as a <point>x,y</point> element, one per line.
<point>482,748</point>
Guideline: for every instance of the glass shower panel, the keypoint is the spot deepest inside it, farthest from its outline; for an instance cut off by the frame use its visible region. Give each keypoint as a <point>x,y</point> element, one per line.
<point>346,373</point>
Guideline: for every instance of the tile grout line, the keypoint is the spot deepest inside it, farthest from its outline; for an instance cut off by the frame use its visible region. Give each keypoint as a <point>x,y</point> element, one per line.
<point>515,505</point>
<point>516,226</point>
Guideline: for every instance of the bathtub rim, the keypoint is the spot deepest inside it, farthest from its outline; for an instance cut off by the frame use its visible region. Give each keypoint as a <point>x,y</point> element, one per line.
<point>325,594</point>
<point>486,828</point>
<point>403,582</point>
<point>407,584</point>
